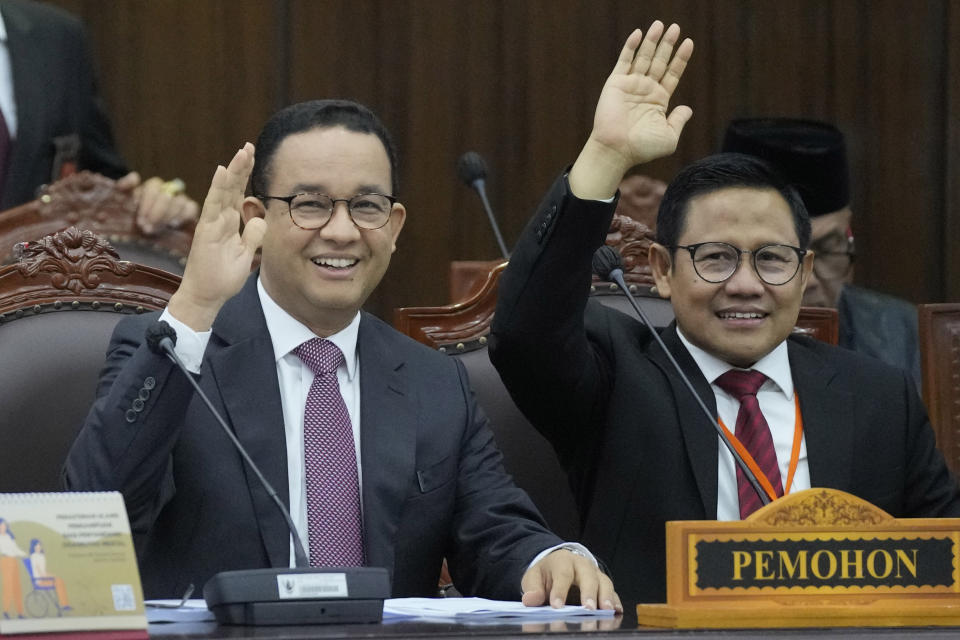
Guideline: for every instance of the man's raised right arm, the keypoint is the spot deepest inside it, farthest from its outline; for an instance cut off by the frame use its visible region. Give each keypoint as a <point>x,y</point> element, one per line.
<point>127,439</point>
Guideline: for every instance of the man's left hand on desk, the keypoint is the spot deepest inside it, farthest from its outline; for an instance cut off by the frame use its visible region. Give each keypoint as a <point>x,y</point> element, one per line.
<point>550,580</point>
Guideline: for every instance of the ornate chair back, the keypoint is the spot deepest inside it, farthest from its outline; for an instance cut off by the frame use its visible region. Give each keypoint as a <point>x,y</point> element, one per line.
<point>58,306</point>
<point>91,201</point>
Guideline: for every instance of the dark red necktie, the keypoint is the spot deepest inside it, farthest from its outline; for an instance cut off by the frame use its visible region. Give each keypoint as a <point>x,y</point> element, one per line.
<point>335,525</point>
<point>753,433</point>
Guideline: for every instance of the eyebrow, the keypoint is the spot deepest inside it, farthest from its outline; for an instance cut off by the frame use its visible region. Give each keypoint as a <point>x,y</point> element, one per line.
<point>316,188</point>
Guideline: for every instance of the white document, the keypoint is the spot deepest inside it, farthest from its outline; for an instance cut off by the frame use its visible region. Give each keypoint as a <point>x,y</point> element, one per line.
<point>481,610</point>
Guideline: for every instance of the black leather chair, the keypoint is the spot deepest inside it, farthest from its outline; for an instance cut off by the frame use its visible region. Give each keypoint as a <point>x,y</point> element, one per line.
<point>58,306</point>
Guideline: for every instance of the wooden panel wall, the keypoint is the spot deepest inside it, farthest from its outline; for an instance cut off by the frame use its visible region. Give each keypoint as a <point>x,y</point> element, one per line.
<point>188,81</point>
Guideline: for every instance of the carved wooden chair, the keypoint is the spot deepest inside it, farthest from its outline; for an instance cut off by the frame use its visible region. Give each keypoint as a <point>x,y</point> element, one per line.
<point>58,306</point>
<point>91,201</point>
<point>940,366</point>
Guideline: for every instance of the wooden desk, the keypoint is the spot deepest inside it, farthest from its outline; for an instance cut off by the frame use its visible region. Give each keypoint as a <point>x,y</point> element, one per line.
<point>441,631</point>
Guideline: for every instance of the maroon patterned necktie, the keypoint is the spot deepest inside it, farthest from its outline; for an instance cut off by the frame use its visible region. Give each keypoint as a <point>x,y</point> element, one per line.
<point>753,432</point>
<point>335,526</point>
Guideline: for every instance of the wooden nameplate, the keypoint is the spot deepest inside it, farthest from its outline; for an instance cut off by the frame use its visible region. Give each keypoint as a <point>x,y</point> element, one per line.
<point>817,558</point>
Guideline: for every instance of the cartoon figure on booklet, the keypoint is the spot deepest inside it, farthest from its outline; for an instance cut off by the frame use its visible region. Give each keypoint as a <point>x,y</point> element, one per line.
<point>10,571</point>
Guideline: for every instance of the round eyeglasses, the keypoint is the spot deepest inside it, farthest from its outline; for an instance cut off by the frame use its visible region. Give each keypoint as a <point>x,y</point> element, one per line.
<point>834,256</point>
<point>716,262</point>
<point>311,211</point>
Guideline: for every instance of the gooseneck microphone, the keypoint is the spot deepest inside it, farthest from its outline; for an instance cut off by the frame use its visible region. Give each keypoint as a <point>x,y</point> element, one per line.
<point>607,265</point>
<point>301,595</point>
<point>161,339</point>
<point>472,170</point>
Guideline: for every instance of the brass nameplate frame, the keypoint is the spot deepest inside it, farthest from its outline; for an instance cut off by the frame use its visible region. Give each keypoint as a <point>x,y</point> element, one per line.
<point>817,558</point>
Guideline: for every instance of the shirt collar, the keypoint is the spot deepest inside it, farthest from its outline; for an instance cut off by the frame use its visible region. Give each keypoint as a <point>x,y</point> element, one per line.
<point>3,28</point>
<point>287,333</point>
<point>775,365</point>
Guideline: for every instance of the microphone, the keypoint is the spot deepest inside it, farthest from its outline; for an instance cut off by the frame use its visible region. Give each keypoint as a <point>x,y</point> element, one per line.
<point>252,596</point>
<point>472,170</point>
<point>608,265</point>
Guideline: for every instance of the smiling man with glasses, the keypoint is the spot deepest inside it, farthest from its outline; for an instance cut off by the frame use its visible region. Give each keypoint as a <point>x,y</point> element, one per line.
<point>732,256</point>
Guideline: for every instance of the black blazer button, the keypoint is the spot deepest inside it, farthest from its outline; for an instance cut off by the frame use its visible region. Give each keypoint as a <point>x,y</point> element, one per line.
<point>144,394</point>
<point>130,416</point>
<point>149,383</point>
<point>137,405</point>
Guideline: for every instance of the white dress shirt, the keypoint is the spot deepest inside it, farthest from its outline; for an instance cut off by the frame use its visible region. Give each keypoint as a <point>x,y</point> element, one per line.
<point>776,399</point>
<point>295,378</point>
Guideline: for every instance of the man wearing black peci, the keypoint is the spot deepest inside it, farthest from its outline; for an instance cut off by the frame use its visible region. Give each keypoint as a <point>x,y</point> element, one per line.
<point>732,258</point>
<point>374,441</point>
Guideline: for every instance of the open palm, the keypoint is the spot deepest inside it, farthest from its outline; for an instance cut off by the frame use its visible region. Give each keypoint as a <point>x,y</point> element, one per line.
<point>632,118</point>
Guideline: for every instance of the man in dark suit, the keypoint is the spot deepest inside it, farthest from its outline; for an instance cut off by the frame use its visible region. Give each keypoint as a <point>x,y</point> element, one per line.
<point>418,477</point>
<point>55,120</point>
<point>731,257</point>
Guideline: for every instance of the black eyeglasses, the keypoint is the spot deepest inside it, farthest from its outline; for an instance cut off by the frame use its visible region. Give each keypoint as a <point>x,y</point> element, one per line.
<point>833,256</point>
<point>311,211</point>
<point>716,262</point>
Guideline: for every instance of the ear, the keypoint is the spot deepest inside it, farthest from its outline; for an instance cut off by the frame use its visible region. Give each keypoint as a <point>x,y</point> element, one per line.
<point>398,215</point>
<point>661,265</point>
<point>252,208</point>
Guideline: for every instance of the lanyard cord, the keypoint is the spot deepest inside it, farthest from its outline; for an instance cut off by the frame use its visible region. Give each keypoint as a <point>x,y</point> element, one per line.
<point>794,454</point>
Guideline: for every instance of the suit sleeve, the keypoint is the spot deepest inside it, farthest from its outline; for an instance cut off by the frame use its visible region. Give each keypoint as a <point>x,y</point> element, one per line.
<point>539,344</point>
<point>497,531</point>
<point>126,441</point>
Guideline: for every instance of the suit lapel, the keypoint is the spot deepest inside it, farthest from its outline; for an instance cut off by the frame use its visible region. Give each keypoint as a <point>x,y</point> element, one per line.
<point>828,420</point>
<point>388,436</point>
<point>698,435</point>
<point>245,372</point>
<point>28,91</point>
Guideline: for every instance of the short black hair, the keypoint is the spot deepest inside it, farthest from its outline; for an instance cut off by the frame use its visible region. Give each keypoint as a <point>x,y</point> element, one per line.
<point>723,171</point>
<point>314,114</point>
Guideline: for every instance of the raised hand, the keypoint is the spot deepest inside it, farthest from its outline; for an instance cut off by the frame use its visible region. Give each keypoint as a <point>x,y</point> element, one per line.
<point>220,255</point>
<point>632,123</point>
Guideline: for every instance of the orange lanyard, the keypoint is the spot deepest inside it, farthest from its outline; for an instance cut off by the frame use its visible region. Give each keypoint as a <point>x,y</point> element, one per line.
<point>794,454</point>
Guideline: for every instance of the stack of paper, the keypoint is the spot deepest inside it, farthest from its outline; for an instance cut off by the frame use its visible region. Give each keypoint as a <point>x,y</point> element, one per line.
<point>480,610</point>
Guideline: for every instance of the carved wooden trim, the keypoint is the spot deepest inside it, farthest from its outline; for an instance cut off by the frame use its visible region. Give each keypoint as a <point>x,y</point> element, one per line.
<point>826,508</point>
<point>87,197</point>
<point>77,270</point>
<point>632,239</point>
<point>73,257</point>
<point>88,201</point>
<point>457,327</point>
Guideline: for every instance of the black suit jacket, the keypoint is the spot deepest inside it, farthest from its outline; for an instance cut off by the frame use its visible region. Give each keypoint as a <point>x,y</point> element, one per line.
<point>638,450</point>
<point>433,483</point>
<point>56,96</point>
